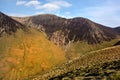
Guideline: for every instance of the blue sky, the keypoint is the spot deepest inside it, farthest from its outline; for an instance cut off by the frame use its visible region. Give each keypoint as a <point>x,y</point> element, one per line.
<point>106,12</point>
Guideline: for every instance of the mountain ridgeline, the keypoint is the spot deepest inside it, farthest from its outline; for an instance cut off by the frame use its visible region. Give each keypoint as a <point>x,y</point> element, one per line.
<point>62,31</point>
<point>9,25</point>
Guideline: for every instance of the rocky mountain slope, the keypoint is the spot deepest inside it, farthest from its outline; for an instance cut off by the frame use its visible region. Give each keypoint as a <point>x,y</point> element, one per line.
<point>117,29</point>
<point>62,31</point>
<point>24,53</point>
<point>9,25</point>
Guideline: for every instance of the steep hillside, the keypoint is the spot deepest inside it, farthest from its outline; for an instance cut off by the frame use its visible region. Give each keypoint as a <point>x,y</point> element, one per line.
<point>9,25</point>
<point>86,30</point>
<point>25,53</point>
<point>81,48</point>
<point>104,71</point>
<point>117,29</point>
<point>62,31</point>
<point>93,58</point>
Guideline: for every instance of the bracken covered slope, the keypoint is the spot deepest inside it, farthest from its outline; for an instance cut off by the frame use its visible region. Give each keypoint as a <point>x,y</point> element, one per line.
<point>25,53</point>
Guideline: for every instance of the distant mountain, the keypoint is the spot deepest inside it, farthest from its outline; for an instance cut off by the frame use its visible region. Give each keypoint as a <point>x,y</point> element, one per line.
<point>9,25</point>
<point>61,31</point>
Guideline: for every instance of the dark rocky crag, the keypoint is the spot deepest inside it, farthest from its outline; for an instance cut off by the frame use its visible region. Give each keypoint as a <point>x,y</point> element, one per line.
<point>9,25</point>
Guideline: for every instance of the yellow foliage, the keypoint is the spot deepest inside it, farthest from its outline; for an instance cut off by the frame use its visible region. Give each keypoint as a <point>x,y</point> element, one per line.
<point>27,53</point>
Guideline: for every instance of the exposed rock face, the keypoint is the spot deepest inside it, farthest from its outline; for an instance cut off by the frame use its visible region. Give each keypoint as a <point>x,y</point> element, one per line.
<point>61,31</point>
<point>8,25</point>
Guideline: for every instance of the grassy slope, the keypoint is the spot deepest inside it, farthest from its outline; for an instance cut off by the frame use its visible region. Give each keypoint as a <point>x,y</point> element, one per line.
<point>104,71</point>
<point>27,53</point>
<point>81,48</point>
<point>90,59</point>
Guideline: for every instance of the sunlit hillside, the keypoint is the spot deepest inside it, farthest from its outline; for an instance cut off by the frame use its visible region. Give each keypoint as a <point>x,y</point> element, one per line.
<point>27,53</point>
<point>81,48</point>
<point>91,59</point>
